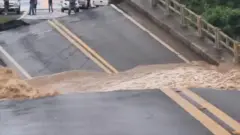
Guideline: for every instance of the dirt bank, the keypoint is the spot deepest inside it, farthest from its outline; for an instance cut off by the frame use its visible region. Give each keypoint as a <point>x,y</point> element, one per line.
<point>193,75</point>
<point>11,87</point>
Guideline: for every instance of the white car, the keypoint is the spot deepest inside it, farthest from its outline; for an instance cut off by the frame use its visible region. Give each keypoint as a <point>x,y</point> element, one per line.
<point>79,4</point>
<point>99,2</point>
<point>14,5</point>
<point>83,4</point>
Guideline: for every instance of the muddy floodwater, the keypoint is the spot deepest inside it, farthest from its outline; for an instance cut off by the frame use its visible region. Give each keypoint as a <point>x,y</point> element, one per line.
<point>193,75</point>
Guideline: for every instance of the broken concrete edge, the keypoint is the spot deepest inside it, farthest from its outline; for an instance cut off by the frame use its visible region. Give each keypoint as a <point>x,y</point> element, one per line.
<point>12,64</point>
<point>193,46</point>
<point>12,24</point>
<point>2,63</point>
<point>6,59</point>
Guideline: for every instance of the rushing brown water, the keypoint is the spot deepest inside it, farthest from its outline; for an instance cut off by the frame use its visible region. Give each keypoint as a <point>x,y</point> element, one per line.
<point>12,87</point>
<point>194,75</point>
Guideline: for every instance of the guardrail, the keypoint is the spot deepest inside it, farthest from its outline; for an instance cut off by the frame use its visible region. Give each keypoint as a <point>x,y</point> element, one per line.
<point>204,29</point>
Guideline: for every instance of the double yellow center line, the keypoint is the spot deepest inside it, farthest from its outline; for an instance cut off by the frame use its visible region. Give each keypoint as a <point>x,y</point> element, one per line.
<point>78,43</point>
<point>209,123</point>
<point>233,124</point>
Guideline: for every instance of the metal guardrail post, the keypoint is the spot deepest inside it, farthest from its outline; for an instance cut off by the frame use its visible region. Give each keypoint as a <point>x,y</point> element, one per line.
<point>183,21</point>
<point>217,38</point>
<point>168,7</point>
<point>199,26</point>
<point>154,3</point>
<point>236,52</point>
<point>204,29</point>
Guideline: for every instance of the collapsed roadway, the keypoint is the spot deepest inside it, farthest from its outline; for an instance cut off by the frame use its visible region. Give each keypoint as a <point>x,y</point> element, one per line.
<point>106,39</point>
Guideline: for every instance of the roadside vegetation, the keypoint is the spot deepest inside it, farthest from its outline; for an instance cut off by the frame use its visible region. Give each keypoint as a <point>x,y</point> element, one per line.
<point>4,19</point>
<point>224,14</point>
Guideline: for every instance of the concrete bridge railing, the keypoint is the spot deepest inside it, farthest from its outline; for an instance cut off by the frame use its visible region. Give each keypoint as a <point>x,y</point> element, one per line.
<point>203,28</point>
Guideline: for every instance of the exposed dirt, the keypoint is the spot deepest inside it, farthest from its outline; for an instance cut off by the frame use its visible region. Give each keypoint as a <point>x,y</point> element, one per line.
<point>194,75</point>
<point>11,87</point>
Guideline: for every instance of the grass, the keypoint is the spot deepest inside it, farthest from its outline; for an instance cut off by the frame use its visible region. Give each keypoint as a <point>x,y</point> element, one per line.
<point>4,19</point>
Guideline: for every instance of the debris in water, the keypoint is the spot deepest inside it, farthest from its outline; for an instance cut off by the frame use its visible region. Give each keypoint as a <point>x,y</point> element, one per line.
<point>11,87</point>
<point>193,75</point>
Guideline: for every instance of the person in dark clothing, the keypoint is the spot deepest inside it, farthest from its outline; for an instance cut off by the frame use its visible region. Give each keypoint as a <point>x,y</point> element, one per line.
<point>31,9</point>
<point>72,5</point>
<point>88,3</point>
<point>35,6</point>
<point>50,8</point>
<point>6,6</point>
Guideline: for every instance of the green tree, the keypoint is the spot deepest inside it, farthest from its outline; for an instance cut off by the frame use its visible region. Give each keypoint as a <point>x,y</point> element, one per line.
<point>224,14</point>
<point>199,6</point>
<point>226,18</point>
<point>229,3</point>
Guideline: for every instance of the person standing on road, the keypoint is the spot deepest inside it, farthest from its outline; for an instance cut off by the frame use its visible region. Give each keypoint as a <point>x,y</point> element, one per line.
<point>50,7</point>
<point>71,6</point>
<point>31,9</point>
<point>89,3</point>
<point>6,6</point>
<point>35,6</point>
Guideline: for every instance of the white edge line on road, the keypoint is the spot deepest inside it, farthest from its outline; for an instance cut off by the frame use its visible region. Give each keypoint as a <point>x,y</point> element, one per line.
<point>10,58</point>
<point>151,34</point>
<point>22,16</point>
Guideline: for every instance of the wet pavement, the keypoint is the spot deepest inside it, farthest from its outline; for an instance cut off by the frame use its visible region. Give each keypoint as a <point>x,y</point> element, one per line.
<point>40,50</point>
<point>119,41</point>
<point>159,32</point>
<point>42,4</point>
<point>147,112</point>
<point>227,101</point>
<point>42,10</point>
<point>44,15</point>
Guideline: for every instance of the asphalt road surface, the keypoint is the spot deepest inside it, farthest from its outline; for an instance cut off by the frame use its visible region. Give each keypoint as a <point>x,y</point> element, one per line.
<point>227,101</point>
<point>41,50</point>
<point>123,44</point>
<point>42,4</point>
<point>112,113</point>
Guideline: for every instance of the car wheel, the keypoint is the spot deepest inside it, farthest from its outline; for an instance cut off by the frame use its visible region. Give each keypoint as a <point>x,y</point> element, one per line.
<point>18,11</point>
<point>82,7</point>
<point>62,10</point>
<point>76,10</point>
<point>116,1</point>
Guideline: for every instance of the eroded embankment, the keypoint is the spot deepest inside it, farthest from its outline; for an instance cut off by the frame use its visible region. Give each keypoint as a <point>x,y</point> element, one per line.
<point>12,87</point>
<point>194,75</point>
